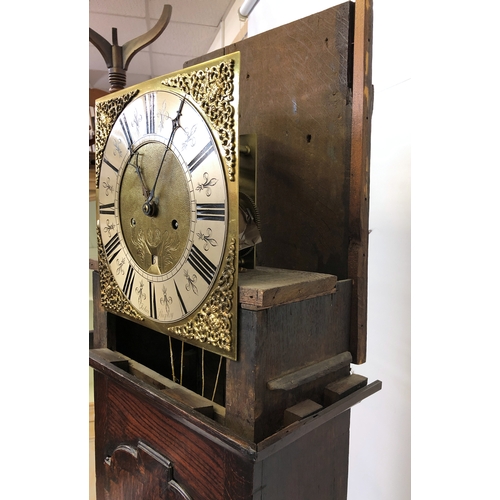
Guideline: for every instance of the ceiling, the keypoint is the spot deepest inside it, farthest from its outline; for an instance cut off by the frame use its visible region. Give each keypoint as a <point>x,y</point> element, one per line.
<point>190,33</point>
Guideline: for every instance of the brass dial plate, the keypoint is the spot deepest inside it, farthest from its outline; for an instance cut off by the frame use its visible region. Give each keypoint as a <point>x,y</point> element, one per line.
<point>167,229</point>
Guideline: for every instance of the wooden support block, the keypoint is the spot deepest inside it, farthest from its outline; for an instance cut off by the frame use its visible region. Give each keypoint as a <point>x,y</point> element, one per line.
<point>341,388</point>
<point>301,410</point>
<point>263,287</point>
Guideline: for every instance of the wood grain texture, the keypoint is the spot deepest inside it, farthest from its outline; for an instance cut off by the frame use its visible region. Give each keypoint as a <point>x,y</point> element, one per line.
<point>315,465</point>
<point>305,90</point>
<point>308,459</point>
<point>301,410</point>
<point>104,322</point>
<point>295,95</point>
<point>201,464</point>
<point>264,287</point>
<point>343,387</point>
<point>278,341</point>
<point>362,104</point>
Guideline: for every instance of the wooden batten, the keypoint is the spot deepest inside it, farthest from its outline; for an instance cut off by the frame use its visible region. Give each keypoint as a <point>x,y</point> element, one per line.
<point>362,106</point>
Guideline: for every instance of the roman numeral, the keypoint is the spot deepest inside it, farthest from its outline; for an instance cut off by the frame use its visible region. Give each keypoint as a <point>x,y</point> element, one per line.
<point>211,211</point>
<point>129,282</point>
<point>200,157</point>
<point>152,301</point>
<point>126,131</point>
<point>183,307</point>
<point>107,208</point>
<point>150,101</point>
<point>201,264</point>
<point>113,245</point>
<point>107,162</point>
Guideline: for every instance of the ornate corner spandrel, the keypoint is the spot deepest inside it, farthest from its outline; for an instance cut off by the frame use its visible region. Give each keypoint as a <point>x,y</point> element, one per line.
<point>112,298</point>
<point>212,88</point>
<point>106,115</point>
<point>212,325</point>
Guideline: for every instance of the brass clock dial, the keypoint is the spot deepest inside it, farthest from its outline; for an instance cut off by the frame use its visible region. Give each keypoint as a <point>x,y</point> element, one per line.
<point>167,203</point>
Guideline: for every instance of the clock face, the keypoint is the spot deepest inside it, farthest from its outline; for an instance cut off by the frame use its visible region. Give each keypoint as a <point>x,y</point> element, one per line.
<point>163,206</point>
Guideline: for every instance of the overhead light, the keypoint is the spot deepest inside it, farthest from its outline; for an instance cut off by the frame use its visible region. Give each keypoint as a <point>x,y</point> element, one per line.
<point>246,8</point>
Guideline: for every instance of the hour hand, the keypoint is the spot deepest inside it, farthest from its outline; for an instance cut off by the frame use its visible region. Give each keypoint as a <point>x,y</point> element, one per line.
<point>135,157</point>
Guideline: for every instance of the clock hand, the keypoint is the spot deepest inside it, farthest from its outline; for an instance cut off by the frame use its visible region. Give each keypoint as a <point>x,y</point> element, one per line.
<point>145,190</point>
<point>150,207</point>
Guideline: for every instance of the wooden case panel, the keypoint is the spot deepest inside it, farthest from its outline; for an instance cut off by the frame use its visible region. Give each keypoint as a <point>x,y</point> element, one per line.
<point>315,466</point>
<point>278,341</point>
<point>203,468</point>
<point>305,90</point>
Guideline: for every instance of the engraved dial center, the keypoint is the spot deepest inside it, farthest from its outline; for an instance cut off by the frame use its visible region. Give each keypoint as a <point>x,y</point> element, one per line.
<point>157,243</point>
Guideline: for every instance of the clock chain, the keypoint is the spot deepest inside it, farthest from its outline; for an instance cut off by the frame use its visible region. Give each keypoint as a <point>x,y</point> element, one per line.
<point>207,377</point>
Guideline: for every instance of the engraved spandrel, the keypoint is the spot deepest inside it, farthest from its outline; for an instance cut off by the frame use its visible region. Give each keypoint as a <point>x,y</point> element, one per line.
<point>141,296</point>
<point>107,113</point>
<point>208,183</point>
<point>108,228</point>
<point>207,239</point>
<point>214,84</point>
<point>117,147</point>
<point>190,140</point>
<point>136,121</point>
<point>163,116</point>
<point>166,301</point>
<point>119,268</point>
<point>191,280</point>
<point>108,187</point>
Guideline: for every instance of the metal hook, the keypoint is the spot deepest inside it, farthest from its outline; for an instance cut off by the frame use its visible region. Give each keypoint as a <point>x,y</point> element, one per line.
<point>118,57</point>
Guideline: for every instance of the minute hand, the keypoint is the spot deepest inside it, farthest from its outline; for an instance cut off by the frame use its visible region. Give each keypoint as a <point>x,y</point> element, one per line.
<point>175,126</point>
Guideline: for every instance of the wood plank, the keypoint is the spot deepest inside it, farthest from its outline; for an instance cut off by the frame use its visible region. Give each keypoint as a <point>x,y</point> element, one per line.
<point>182,413</point>
<point>104,322</point>
<point>174,390</point>
<point>305,89</point>
<point>362,104</point>
<point>312,467</point>
<point>113,357</point>
<point>263,287</point>
<point>276,342</point>
<point>295,94</point>
<point>202,456</point>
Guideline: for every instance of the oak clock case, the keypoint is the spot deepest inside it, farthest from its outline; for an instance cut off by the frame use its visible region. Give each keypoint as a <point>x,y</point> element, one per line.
<point>167,190</point>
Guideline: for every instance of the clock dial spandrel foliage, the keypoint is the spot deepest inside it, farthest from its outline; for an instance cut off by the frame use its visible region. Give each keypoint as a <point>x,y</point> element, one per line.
<point>167,183</point>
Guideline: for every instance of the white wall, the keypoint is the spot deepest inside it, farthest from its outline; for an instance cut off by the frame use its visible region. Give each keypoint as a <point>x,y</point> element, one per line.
<point>380,425</point>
